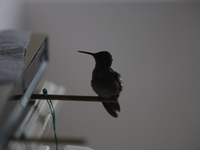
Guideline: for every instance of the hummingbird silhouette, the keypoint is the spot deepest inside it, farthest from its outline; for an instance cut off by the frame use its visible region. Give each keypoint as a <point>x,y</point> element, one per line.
<point>106,82</point>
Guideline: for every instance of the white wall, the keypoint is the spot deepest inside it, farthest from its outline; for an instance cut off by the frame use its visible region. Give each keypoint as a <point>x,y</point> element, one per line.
<point>155,46</point>
<point>156,49</point>
<point>112,1</point>
<point>11,14</point>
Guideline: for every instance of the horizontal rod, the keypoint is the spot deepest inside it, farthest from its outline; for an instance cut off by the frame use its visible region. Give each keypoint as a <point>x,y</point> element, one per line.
<point>68,98</point>
<point>51,140</point>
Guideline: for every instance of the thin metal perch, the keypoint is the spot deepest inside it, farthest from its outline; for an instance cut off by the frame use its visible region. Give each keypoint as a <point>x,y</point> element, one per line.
<point>68,98</point>
<point>51,140</point>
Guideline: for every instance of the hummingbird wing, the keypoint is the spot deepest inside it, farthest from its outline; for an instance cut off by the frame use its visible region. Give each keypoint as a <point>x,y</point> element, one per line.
<point>118,78</point>
<point>113,107</point>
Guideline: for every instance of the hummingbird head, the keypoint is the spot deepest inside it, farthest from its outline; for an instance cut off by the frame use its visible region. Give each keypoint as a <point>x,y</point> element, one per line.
<point>103,59</point>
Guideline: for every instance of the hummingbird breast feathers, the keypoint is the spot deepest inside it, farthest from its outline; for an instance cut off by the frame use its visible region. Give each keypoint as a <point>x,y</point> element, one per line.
<point>106,83</point>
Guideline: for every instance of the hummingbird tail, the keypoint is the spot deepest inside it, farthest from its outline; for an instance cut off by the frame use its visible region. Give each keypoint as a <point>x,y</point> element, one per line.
<point>112,108</point>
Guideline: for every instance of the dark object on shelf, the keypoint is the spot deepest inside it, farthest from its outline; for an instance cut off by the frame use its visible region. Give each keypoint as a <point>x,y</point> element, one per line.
<point>23,59</point>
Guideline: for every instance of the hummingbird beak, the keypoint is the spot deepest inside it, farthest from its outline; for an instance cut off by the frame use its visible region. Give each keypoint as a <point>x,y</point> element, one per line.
<point>86,53</point>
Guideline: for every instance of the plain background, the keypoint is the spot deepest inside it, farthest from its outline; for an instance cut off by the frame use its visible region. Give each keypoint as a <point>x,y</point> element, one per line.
<point>155,46</point>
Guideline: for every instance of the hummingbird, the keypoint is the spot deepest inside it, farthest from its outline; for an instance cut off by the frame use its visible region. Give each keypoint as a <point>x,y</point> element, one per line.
<point>106,82</point>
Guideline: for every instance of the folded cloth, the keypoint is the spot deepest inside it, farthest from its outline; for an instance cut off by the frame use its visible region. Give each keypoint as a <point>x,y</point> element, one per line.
<point>13,46</point>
